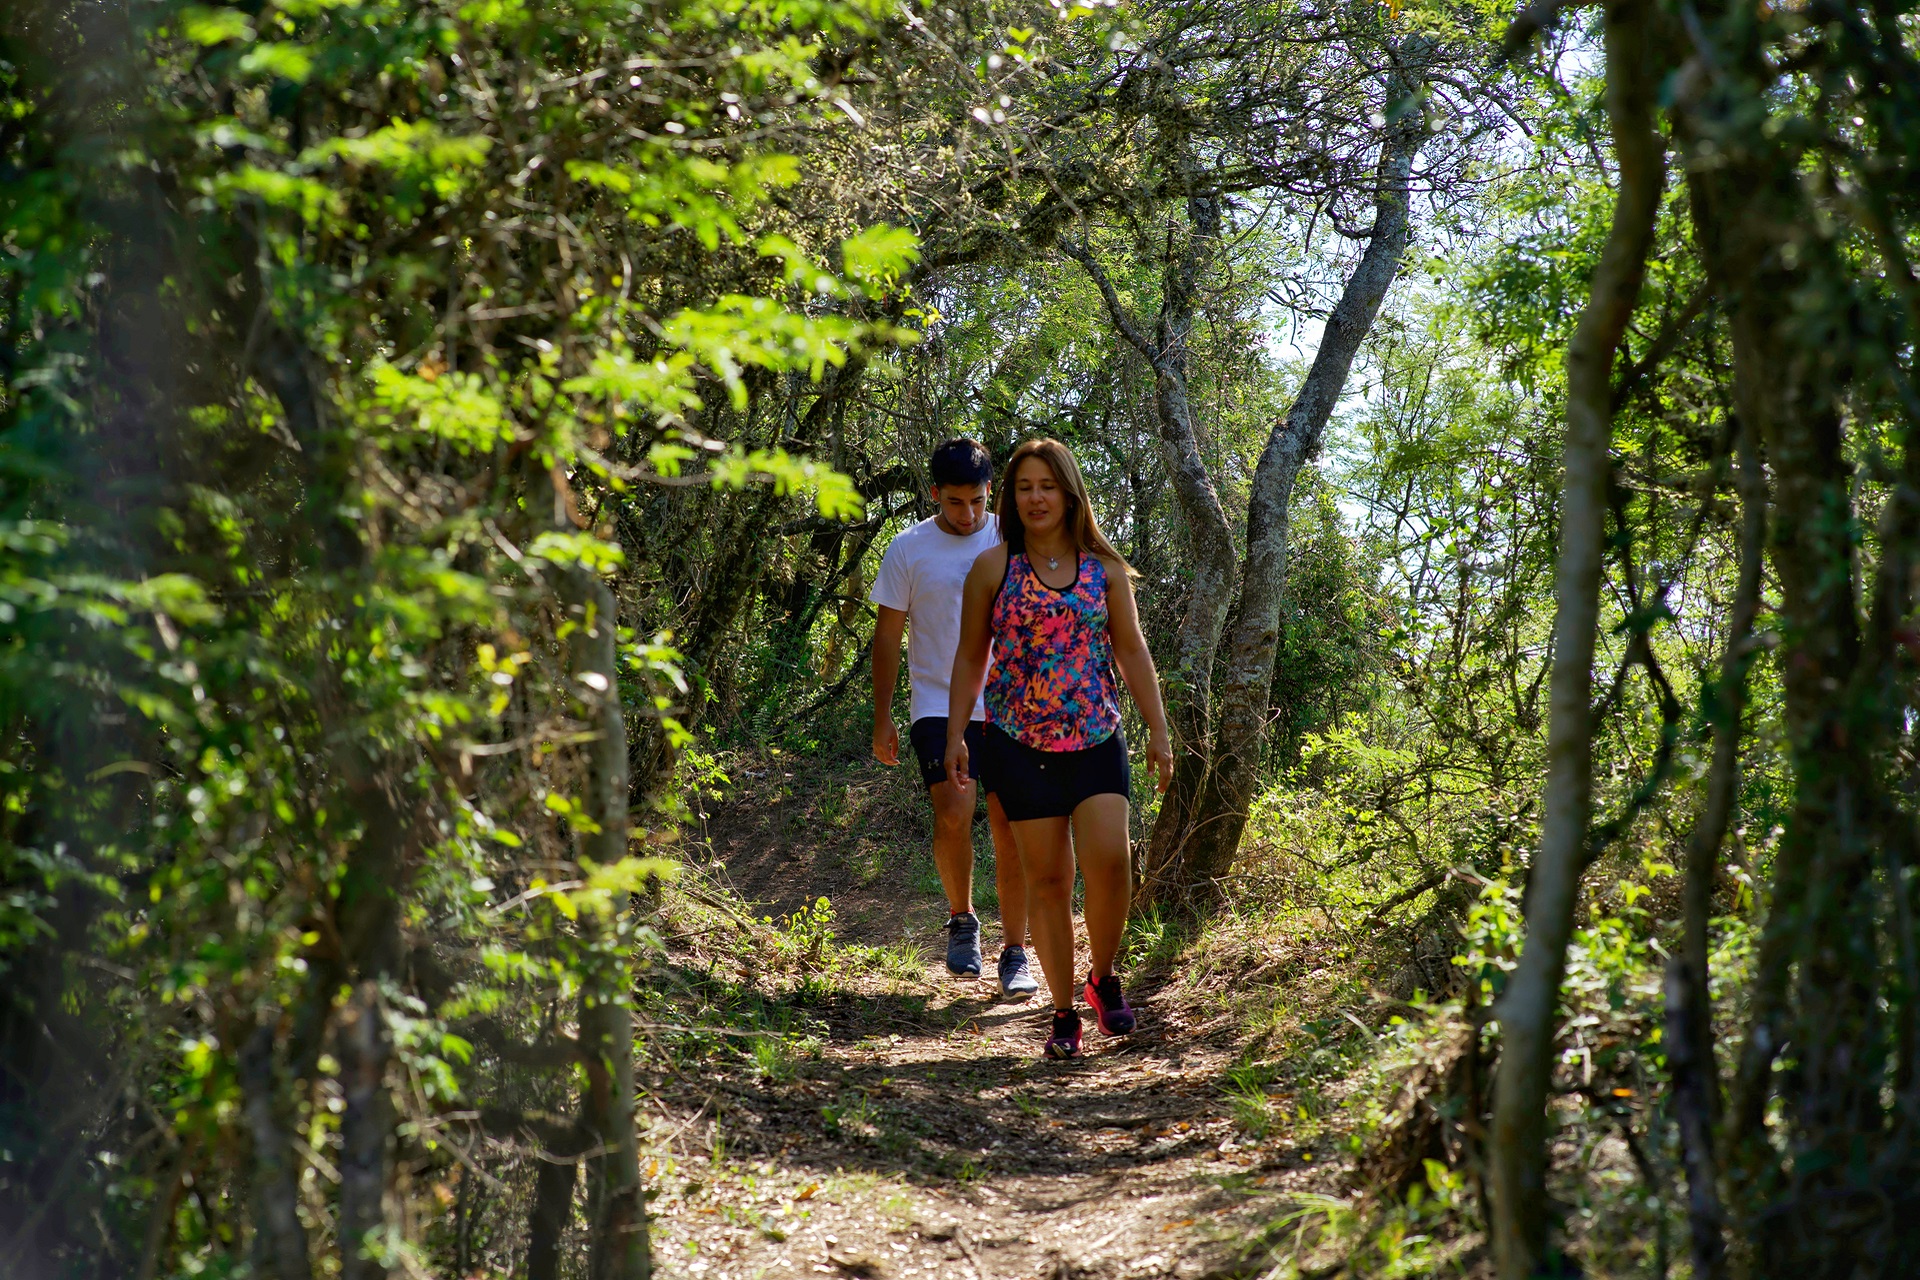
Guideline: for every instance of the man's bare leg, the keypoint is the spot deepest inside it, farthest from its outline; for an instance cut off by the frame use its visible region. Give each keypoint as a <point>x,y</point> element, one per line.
<point>953,842</point>
<point>953,857</point>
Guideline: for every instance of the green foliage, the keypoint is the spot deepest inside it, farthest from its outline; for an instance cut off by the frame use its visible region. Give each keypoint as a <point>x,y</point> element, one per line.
<point>289,620</point>
<point>1396,1241</point>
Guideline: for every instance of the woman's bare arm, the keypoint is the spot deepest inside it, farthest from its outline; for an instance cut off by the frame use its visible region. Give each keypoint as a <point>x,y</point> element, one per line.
<point>970,659</point>
<point>1135,660</point>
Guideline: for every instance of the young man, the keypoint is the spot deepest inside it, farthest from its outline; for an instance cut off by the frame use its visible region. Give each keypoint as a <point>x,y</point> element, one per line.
<point>918,592</point>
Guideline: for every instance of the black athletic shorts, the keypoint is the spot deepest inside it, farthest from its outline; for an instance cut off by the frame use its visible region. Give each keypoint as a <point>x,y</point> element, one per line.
<point>928,736</point>
<point>1032,783</point>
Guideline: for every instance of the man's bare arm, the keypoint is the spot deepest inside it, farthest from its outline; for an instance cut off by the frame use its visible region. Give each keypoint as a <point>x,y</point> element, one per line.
<point>887,630</point>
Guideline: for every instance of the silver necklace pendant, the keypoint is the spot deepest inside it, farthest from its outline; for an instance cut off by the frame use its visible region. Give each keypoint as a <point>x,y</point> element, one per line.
<point>1053,562</point>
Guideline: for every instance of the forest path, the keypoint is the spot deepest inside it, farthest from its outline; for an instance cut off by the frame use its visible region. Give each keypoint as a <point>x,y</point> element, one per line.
<point>924,1135</point>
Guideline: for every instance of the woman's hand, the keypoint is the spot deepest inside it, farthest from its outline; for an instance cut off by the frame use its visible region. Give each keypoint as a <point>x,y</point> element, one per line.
<point>1160,753</point>
<point>957,760</point>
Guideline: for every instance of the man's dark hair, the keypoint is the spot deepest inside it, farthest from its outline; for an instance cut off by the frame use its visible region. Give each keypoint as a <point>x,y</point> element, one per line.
<point>961,461</point>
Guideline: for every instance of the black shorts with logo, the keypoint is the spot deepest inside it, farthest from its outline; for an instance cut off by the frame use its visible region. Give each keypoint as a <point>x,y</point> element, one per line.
<point>1032,783</point>
<point>928,737</point>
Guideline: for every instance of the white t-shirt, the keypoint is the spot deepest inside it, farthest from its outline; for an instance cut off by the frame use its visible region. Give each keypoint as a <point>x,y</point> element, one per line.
<point>922,573</point>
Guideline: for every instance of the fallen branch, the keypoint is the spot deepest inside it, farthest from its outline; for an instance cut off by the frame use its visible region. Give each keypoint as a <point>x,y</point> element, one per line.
<point>1433,881</point>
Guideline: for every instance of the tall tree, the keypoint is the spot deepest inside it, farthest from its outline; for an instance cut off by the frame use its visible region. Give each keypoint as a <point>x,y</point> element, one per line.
<point>1253,633</point>
<point>1213,571</point>
<point>1527,1009</point>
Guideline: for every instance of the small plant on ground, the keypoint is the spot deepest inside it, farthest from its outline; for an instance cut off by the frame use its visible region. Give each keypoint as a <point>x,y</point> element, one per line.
<point>1246,1091</point>
<point>774,1058</point>
<point>900,961</point>
<point>802,940</point>
<point>851,1116</point>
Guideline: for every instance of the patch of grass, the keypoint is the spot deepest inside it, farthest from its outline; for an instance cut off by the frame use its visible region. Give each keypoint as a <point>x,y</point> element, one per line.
<point>844,1186</point>
<point>1252,1112</point>
<point>1422,1235</point>
<point>897,1206</point>
<point>1241,1186</point>
<point>923,876</point>
<point>773,1058</point>
<point>1246,1092</point>
<point>986,887</point>
<point>815,987</point>
<point>800,941</point>
<point>900,961</point>
<point>867,861</point>
<point>850,1116</point>
<point>831,807</point>
<point>1153,941</point>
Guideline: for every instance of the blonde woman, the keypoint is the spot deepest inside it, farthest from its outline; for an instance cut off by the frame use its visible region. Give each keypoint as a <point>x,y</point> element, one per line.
<point>1053,604</point>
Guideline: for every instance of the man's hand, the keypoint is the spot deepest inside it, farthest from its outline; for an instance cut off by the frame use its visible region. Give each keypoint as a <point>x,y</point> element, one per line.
<point>886,741</point>
<point>1160,753</point>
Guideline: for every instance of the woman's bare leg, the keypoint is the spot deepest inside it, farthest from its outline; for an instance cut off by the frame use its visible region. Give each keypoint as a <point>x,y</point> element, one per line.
<point>1100,839</point>
<point>1046,856</point>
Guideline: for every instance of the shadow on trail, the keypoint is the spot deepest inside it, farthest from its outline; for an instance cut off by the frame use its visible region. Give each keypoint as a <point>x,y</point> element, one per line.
<point>942,1089</point>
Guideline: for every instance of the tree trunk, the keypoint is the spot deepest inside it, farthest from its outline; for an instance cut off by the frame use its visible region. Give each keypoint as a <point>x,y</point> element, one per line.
<point>365,1126</point>
<point>366,906</point>
<point>1188,679</point>
<point>1834,1207</point>
<point>1696,1080</point>
<point>617,1242</point>
<point>1254,631</point>
<point>1526,1010</point>
<point>552,1212</point>
<point>279,1237</point>
<point>1695,1084</point>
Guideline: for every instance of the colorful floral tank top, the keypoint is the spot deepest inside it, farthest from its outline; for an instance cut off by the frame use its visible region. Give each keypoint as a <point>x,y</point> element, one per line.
<point>1052,685</point>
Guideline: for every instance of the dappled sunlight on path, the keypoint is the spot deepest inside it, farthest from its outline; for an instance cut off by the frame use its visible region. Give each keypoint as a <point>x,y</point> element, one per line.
<point>929,1138</point>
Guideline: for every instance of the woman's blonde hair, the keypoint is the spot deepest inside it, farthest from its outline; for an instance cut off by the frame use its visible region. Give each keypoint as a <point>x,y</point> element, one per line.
<point>1081,526</point>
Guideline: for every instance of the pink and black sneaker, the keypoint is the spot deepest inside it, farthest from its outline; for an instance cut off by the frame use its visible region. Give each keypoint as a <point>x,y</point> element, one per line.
<point>1109,1006</point>
<point>1064,1040</point>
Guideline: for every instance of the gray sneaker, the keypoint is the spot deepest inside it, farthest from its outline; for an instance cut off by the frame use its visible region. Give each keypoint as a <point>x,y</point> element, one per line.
<point>1016,976</point>
<point>963,945</point>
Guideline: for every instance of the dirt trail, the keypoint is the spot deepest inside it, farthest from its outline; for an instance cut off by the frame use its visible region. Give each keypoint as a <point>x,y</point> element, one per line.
<point>928,1138</point>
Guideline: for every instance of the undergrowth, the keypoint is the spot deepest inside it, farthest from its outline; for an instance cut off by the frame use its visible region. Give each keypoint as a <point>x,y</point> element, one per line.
<point>1347,1045</point>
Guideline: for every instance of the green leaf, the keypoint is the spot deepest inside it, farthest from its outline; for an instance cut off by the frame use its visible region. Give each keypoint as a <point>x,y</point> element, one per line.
<point>581,549</point>
<point>454,407</point>
<point>309,198</point>
<point>879,256</point>
<point>660,388</point>
<point>630,875</point>
<point>833,492</point>
<point>287,61</point>
<point>209,26</point>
